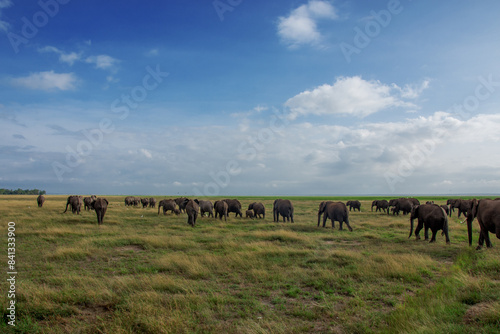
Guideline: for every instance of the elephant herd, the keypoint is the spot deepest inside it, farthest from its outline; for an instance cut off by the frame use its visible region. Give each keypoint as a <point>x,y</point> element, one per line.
<point>429,216</point>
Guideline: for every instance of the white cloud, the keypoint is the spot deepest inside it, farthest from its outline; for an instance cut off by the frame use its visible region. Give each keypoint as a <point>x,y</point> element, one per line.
<point>146,153</point>
<point>413,91</point>
<point>347,96</point>
<point>4,26</point>
<point>68,58</point>
<point>47,80</point>
<point>102,61</point>
<point>300,27</point>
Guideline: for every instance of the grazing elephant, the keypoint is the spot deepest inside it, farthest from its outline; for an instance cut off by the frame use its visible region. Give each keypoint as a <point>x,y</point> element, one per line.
<point>100,205</point>
<point>381,205</point>
<point>168,204</point>
<point>258,209</point>
<point>145,202</point>
<point>152,202</point>
<point>205,206</point>
<point>487,212</point>
<point>75,202</point>
<point>192,209</point>
<point>354,205</point>
<point>249,214</point>
<point>221,209</point>
<point>284,208</point>
<point>335,211</point>
<point>181,203</point>
<point>400,204</point>
<point>40,200</point>
<point>430,216</point>
<point>233,205</point>
<point>87,203</point>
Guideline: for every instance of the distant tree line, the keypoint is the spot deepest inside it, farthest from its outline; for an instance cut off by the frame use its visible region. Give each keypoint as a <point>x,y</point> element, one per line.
<point>22,192</point>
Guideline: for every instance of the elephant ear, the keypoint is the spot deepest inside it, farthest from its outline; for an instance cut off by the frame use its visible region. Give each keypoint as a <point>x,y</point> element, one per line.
<point>105,200</point>
<point>474,206</point>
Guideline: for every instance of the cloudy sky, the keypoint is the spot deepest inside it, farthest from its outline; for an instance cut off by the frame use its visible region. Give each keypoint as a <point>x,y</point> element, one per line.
<point>233,97</point>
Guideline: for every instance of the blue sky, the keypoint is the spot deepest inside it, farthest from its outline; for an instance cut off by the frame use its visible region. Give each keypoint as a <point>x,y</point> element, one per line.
<point>236,97</point>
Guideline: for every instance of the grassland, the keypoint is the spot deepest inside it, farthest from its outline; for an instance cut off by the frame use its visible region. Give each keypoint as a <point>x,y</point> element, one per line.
<point>144,273</point>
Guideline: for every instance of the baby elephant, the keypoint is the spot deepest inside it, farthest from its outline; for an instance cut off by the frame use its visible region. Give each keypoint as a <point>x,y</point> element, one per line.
<point>249,214</point>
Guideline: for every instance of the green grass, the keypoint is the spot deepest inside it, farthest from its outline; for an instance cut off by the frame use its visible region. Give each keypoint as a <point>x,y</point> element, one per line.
<point>144,273</point>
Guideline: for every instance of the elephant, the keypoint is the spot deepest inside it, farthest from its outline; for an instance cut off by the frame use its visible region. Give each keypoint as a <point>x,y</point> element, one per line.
<point>449,202</point>
<point>463,206</point>
<point>321,209</point>
<point>335,211</point>
<point>221,208</point>
<point>132,201</point>
<point>354,205</point>
<point>401,204</point>
<point>168,204</point>
<point>414,201</point>
<point>284,208</point>
<point>87,203</point>
<point>249,214</point>
<point>445,208</point>
<point>192,209</point>
<point>181,203</point>
<point>152,202</point>
<point>145,202</point>
<point>487,212</point>
<point>258,209</point>
<point>40,200</point>
<point>430,216</point>
<point>381,205</point>
<point>100,206</point>
<point>205,206</point>
<point>233,205</point>
<point>75,202</point>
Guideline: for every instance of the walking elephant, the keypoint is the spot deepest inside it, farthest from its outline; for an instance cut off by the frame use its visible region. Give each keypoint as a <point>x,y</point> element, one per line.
<point>221,208</point>
<point>284,208</point>
<point>354,205</point>
<point>487,212</point>
<point>233,205</point>
<point>75,202</point>
<point>181,203</point>
<point>380,205</point>
<point>87,203</point>
<point>40,200</point>
<point>168,205</point>
<point>205,207</point>
<point>335,211</point>
<point>429,216</point>
<point>249,214</point>
<point>100,205</point>
<point>463,206</point>
<point>192,209</point>
<point>152,202</point>
<point>259,210</point>
<point>401,205</point>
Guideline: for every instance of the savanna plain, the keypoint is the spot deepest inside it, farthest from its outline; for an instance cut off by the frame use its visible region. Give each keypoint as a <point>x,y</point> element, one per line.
<point>141,272</point>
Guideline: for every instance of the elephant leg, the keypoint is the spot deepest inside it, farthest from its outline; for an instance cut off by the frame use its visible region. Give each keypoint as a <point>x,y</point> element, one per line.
<point>417,231</point>
<point>426,232</point>
<point>481,240</point>
<point>341,224</point>
<point>487,239</point>
<point>348,225</point>
<point>433,239</point>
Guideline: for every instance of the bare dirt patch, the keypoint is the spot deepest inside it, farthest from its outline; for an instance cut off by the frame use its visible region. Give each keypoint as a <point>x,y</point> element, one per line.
<point>128,248</point>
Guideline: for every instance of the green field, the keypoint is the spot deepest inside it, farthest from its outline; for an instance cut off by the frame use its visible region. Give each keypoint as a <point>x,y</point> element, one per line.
<point>144,273</point>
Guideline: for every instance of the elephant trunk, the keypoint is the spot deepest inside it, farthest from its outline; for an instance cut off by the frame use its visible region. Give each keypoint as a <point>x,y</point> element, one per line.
<point>470,218</point>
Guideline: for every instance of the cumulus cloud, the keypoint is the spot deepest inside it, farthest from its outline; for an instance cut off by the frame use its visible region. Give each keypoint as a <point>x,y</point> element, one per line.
<point>347,96</point>
<point>47,80</point>
<point>102,61</point>
<point>300,26</point>
<point>64,57</point>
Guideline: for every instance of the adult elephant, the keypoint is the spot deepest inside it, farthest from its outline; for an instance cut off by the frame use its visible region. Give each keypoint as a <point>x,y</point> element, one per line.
<point>259,210</point>
<point>284,208</point>
<point>87,203</point>
<point>463,206</point>
<point>152,202</point>
<point>75,202</point>
<point>414,201</point>
<point>429,216</point>
<point>145,202</point>
<point>335,211</point>
<point>221,208</point>
<point>380,205</point>
<point>487,212</point>
<point>402,205</point>
<point>450,202</point>
<point>100,205</point>
<point>354,205</point>
<point>205,207</point>
<point>40,200</point>
<point>181,203</point>
<point>321,209</point>
<point>233,205</point>
<point>168,205</point>
<point>192,209</point>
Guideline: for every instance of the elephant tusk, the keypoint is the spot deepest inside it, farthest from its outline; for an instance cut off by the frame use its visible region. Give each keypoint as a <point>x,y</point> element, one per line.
<point>463,221</point>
